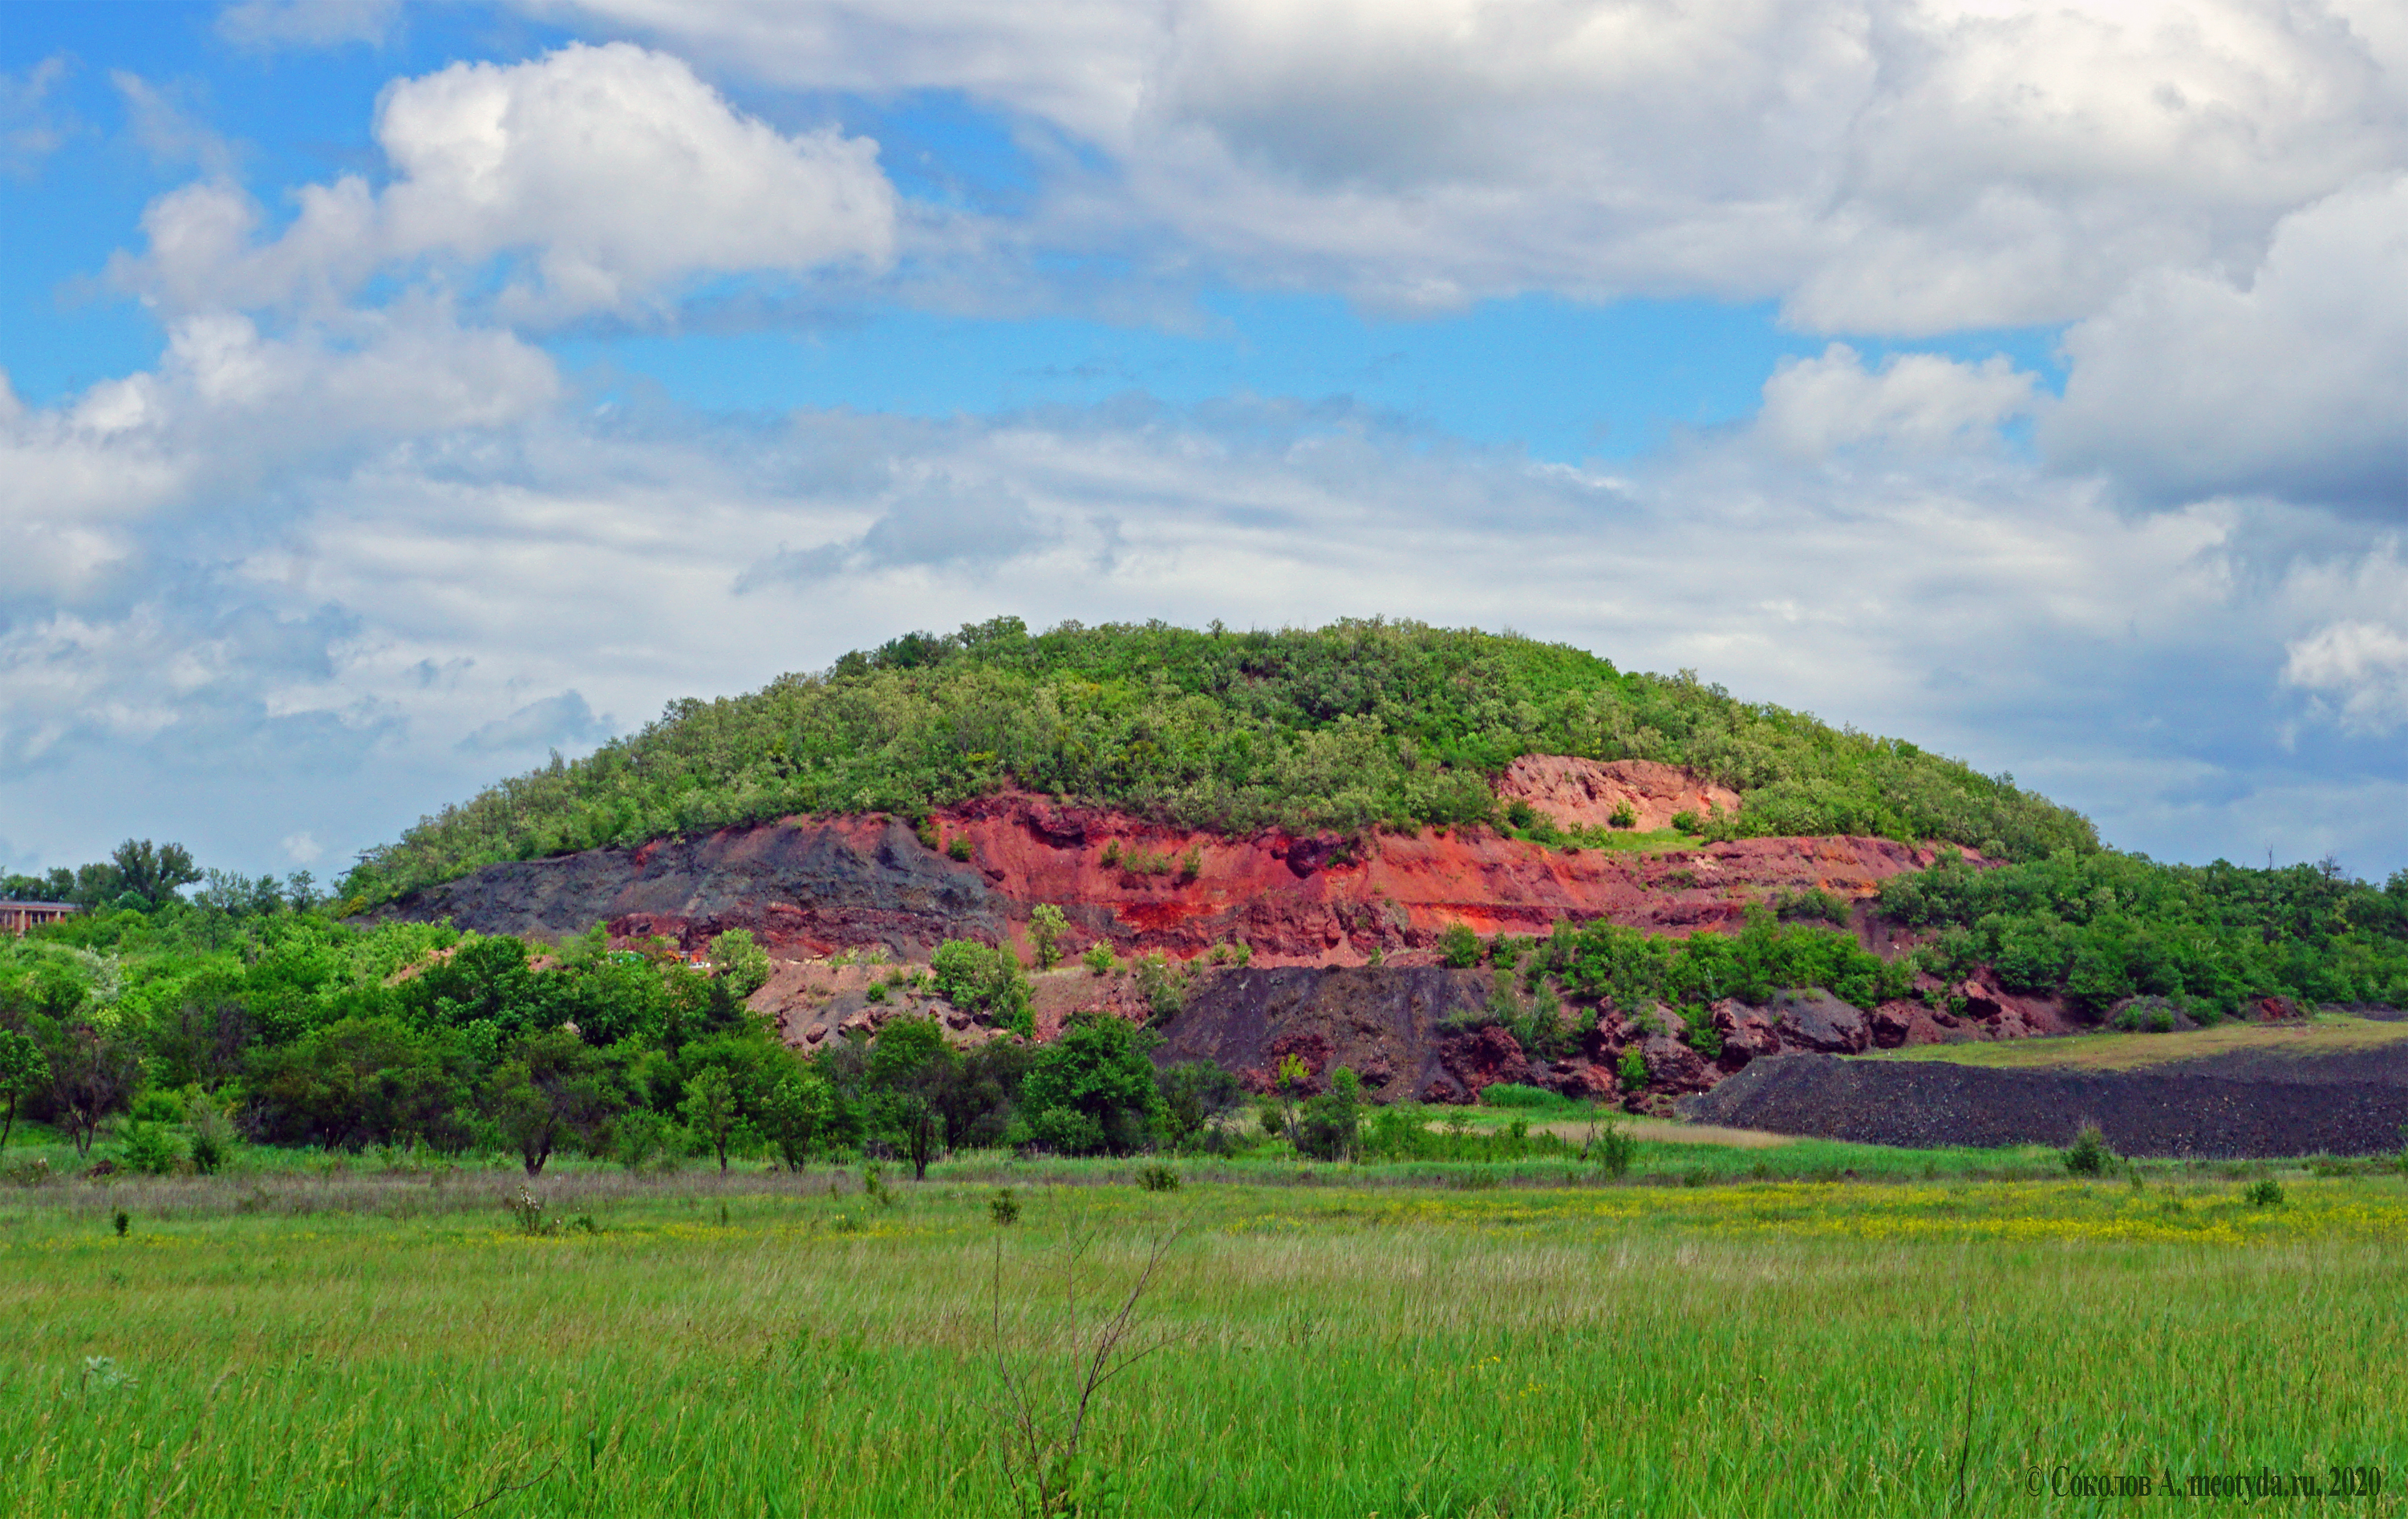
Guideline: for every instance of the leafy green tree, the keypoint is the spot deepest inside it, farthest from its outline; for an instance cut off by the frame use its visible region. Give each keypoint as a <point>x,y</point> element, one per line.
<point>1325,1126</point>
<point>92,1076</point>
<point>153,872</point>
<point>553,1089</point>
<point>1094,1088</point>
<point>1047,923</point>
<point>711,1111</point>
<point>21,1068</point>
<point>1194,1093</point>
<point>360,1081</point>
<point>742,963</point>
<point>912,1074</point>
<point>796,1115</point>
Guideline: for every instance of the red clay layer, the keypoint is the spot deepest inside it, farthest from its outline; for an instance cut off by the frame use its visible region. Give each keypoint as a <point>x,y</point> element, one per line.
<point>1328,900</point>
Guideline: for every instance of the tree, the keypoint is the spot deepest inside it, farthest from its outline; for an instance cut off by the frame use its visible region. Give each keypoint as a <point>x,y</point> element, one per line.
<point>1327,1126</point>
<point>740,963</point>
<point>92,1076</point>
<point>710,1108</point>
<point>795,1114</point>
<point>20,1066</point>
<point>151,871</point>
<point>910,1073</point>
<point>1094,1088</point>
<point>1046,927</point>
<point>1194,1093</point>
<point>552,1089</point>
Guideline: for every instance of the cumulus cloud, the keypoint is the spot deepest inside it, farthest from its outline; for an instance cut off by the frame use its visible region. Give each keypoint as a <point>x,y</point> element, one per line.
<point>1893,165</point>
<point>2292,381</point>
<point>613,173</point>
<point>228,408</point>
<point>2362,666</point>
<point>301,848</point>
<point>1918,401</point>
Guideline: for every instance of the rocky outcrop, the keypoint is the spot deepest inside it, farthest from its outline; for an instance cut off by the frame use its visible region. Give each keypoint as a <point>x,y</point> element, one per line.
<point>812,885</point>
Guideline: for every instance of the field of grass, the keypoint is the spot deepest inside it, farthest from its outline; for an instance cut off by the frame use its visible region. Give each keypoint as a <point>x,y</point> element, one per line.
<point>290,1342</point>
<point>2325,1033</point>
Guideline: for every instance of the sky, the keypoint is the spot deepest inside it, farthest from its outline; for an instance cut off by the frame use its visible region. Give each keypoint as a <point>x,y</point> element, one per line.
<point>393,393</point>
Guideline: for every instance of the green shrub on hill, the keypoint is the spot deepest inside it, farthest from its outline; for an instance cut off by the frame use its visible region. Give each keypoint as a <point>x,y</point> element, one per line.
<point>1353,725</point>
<point>2105,926</point>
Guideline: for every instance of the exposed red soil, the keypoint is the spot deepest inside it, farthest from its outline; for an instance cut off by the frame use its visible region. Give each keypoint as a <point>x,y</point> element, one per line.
<point>1328,900</point>
<point>1587,793</point>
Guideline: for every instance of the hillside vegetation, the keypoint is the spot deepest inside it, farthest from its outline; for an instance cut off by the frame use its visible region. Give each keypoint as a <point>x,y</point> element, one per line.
<point>1354,725</point>
<point>2106,926</point>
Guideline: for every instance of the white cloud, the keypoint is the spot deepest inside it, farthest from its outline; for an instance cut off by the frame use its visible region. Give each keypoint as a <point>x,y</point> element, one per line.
<point>301,848</point>
<point>2364,665</point>
<point>229,409</point>
<point>1919,401</point>
<point>614,171</point>
<point>2294,380</point>
<point>1879,165</point>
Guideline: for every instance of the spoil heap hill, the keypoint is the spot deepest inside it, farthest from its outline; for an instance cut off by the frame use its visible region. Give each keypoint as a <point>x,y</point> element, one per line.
<point>1348,728</point>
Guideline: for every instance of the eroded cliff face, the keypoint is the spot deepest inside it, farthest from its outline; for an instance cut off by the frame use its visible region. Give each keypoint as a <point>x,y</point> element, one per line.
<point>809,886</point>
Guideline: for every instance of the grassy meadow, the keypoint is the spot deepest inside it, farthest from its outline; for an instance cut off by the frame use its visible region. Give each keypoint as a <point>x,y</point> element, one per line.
<point>1320,1341</point>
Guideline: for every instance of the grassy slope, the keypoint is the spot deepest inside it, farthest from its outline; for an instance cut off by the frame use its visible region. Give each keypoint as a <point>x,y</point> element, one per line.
<point>2327,1034</point>
<point>1349,726</point>
<point>1774,1348</point>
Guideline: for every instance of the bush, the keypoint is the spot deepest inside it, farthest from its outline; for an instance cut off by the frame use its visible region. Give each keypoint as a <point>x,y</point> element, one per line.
<point>739,962</point>
<point>148,1148</point>
<point>1047,923</point>
<point>213,1138</point>
<point>1613,1150</point>
<point>1622,817</point>
<point>1003,1208</point>
<point>1165,990</point>
<point>2264,1193</point>
<point>960,848</point>
<point>1459,947</point>
<point>981,979</point>
<point>1098,958</point>
<point>1688,822</point>
<point>1326,1126</point>
<point>1158,1178</point>
<point>2088,1155</point>
<point>1633,1069</point>
<point>876,993</point>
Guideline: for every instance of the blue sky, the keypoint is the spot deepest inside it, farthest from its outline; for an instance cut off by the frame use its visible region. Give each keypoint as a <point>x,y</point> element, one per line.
<point>400,391</point>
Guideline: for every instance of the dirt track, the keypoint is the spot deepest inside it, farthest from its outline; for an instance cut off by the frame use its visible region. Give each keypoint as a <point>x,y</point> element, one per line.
<point>2246,1103</point>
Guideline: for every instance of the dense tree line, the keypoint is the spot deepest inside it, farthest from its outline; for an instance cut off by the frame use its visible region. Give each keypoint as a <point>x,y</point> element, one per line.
<point>292,1028</point>
<point>2104,927</point>
<point>1358,724</point>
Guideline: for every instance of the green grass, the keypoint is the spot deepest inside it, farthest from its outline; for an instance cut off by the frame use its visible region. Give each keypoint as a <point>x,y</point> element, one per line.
<point>753,1344</point>
<point>2325,1033</point>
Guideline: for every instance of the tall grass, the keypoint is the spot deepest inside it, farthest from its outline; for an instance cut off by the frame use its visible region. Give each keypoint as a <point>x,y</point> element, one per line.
<point>774,1349</point>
